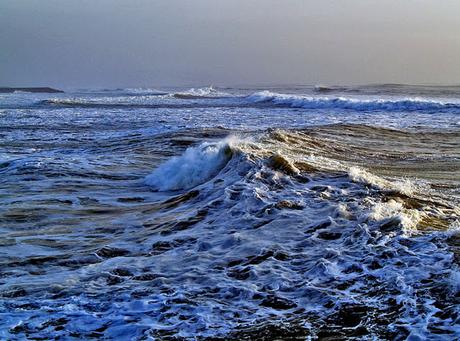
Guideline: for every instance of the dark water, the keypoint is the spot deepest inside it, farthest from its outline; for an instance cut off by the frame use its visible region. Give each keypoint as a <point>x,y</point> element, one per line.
<point>230,213</point>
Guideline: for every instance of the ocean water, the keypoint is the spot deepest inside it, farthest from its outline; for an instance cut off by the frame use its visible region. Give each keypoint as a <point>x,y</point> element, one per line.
<point>231,213</point>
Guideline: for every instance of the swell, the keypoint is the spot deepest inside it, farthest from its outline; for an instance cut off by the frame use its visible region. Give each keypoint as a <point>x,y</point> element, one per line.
<point>356,104</point>
<point>399,163</point>
<point>82,104</point>
<point>318,227</point>
<point>429,159</point>
<point>209,97</point>
<point>266,232</point>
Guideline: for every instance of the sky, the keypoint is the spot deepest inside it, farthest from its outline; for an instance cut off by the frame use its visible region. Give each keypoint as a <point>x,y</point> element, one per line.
<point>115,43</point>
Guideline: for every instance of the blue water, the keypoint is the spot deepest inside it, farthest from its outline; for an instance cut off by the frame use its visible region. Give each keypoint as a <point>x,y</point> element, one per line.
<point>230,212</point>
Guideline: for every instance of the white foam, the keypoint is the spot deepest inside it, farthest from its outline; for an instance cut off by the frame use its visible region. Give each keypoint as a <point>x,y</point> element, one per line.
<point>208,91</point>
<point>454,280</point>
<point>454,228</point>
<point>395,210</point>
<point>144,91</point>
<point>358,104</point>
<point>332,236</point>
<point>197,165</point>
<point>360,175</point>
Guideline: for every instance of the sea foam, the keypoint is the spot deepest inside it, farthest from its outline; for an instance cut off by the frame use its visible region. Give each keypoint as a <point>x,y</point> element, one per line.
<point>403,186</point>
<point>347,103</point>
<point>196,93</point>
<point>197,165</point>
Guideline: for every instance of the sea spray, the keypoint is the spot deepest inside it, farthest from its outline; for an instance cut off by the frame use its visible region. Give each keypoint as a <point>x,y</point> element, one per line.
<point>353,103</point>
<point>197,165</point>
<point>404,186</point>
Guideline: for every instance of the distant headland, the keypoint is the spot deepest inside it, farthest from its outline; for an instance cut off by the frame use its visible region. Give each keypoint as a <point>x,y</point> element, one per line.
<point>36,89</point>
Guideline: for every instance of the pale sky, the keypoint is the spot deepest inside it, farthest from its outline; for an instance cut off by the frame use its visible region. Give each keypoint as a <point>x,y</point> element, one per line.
<point>115,43</point>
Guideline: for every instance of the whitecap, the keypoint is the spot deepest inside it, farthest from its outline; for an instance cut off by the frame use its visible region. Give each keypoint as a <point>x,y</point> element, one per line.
<point>358,104</point>
<point>197,165</point>
<point>404,186</point>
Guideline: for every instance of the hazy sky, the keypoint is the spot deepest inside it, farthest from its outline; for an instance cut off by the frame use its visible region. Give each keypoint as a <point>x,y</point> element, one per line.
<point>114,43</point>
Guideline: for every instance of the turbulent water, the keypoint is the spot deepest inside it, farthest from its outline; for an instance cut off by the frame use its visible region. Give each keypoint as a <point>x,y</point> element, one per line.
<point>308,212</point>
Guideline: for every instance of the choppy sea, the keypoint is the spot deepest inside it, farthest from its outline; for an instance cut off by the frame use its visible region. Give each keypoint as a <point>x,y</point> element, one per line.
<point>231,213</point>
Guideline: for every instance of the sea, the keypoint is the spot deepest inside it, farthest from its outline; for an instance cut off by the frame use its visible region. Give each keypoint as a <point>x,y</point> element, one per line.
<point>231,213</point>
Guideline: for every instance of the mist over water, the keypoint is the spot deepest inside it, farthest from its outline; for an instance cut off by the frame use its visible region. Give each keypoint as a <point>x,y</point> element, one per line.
<point>230,213</point>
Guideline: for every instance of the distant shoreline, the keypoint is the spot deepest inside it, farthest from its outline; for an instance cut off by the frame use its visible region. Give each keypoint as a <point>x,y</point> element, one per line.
<point>33,89</point>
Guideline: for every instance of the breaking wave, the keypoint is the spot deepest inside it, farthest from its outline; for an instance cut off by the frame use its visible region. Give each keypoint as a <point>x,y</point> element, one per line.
<point>141,98</point>
<point>289,225</point>
<point>151,224</point>
<point>195,166</point>
<point>404,186</point>
<point>197,93</point>
<point>309,102</point>
<point>210,97</point>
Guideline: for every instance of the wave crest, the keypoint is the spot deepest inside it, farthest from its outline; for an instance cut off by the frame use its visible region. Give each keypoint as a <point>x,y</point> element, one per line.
<point>403,186</point>
<point>196,166</point>
<point>196,93</point>
<point>309,102</point>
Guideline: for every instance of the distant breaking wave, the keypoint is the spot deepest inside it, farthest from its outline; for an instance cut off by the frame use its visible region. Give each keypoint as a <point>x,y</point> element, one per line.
<point>140,97</point>
<point>197,93</point>
<point>309,102</point>
<point>144,92</point>
<point>209,97</point>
